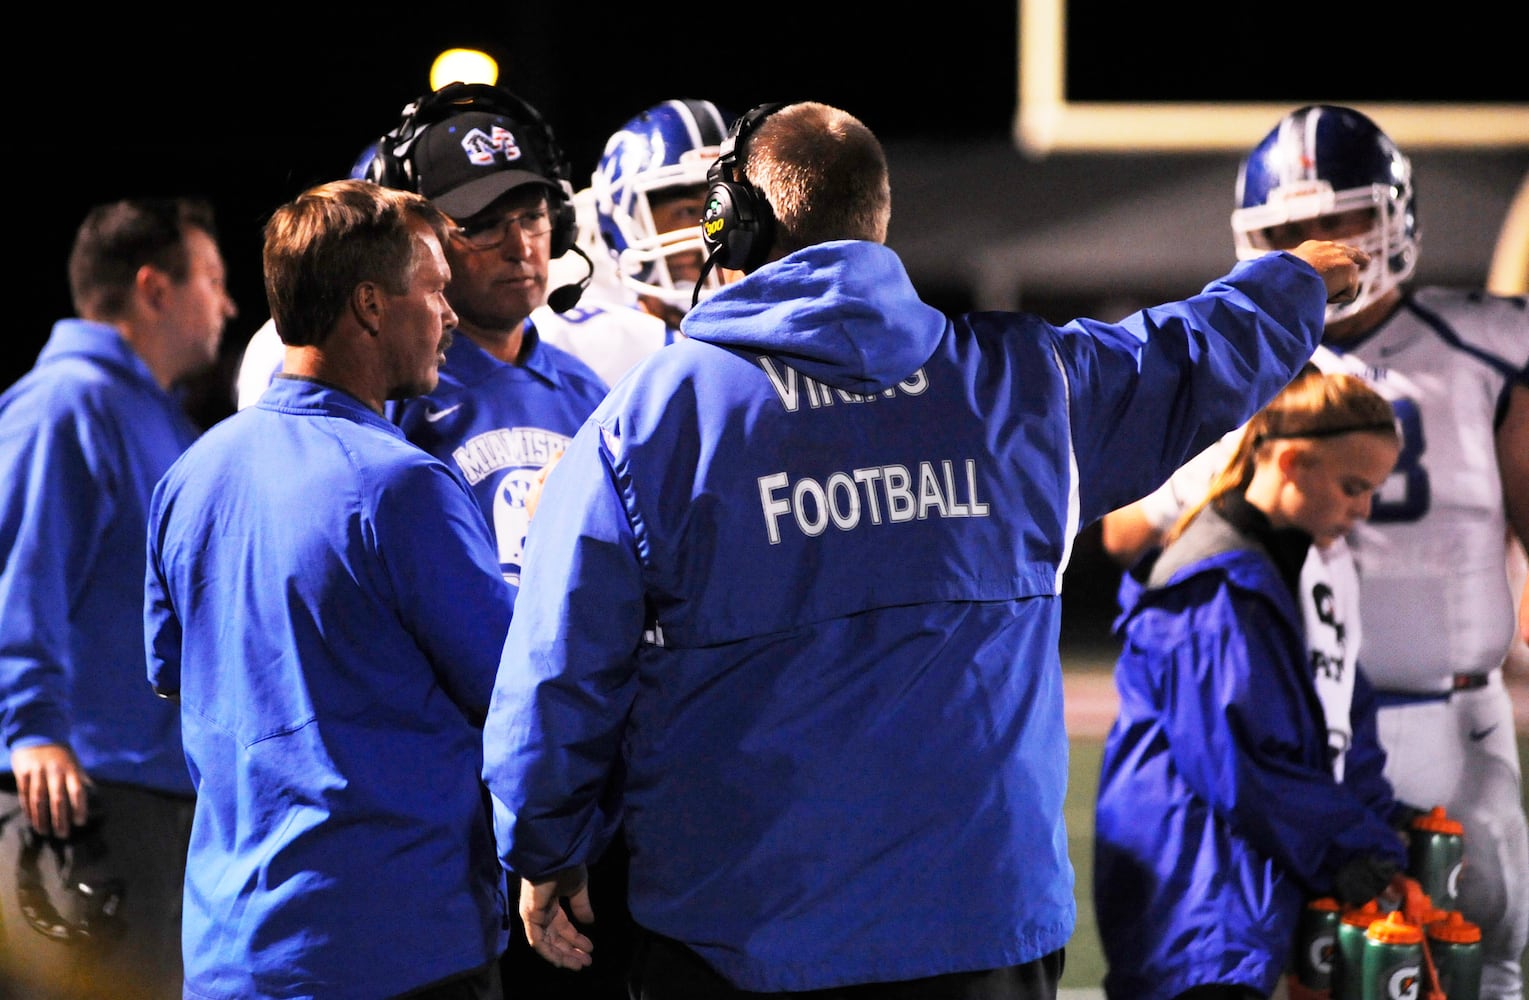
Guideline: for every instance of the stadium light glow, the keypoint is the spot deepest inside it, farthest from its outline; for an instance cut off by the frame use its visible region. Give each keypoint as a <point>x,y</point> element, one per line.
<point>466,65</point>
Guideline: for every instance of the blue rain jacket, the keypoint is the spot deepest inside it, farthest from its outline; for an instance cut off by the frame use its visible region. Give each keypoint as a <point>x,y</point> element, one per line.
<point>323,598</point>
<point>791,608</point>
<point>1218,816</point>
<point>84,436</point>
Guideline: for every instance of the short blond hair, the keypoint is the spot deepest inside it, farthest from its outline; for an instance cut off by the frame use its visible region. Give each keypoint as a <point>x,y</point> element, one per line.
<point>824,174</point>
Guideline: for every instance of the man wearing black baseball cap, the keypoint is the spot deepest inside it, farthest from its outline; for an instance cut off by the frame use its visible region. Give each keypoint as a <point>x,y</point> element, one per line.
<point>467,163</point>
<point>506,402</point>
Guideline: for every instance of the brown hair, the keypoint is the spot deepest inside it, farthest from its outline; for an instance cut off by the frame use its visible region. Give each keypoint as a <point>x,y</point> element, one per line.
<point>329,239</point>
<point>1313,405</point>
<point>118,238</point>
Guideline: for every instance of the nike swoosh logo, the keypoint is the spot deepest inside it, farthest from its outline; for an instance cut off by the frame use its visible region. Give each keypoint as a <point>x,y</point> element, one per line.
<point>1477,735</point>
<point>433,415</point>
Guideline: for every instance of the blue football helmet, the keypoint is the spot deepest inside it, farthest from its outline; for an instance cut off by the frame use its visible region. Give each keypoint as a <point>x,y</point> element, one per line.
<point>672,144</point>
<point>1321,160</point>
<point>361,169</point>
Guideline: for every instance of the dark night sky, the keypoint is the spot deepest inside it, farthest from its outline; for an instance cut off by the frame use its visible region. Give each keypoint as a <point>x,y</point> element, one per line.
<point>250,114</point>
<point>250,109</point>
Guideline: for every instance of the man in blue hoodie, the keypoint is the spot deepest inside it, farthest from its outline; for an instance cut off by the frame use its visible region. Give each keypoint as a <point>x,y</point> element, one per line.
<point>790,605</point>
<point>95,800</point>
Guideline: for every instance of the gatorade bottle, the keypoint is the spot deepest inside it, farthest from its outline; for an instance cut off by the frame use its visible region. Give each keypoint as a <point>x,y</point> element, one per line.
<point>1436,848</point>
<point>1348,959</point>
<point>1455,944</point>
<point>1393,960</point>
<point>1316,943</point>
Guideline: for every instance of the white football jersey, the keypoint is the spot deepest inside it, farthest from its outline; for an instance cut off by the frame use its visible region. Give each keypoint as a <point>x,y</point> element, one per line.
<point>608,338</point>
<point>261,359</point>
<point>1433,555</point>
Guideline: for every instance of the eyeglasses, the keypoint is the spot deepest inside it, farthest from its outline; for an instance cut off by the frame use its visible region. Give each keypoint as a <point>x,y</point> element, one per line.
<point>488,234</point>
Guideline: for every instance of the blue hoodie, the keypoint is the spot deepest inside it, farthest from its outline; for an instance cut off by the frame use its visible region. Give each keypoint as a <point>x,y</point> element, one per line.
<point>84,436</point>
<point>1218,814</point>
<point>790,608</point>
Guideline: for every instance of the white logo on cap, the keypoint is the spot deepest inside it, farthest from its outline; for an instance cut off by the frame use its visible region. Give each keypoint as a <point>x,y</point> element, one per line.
<point>481,148</point>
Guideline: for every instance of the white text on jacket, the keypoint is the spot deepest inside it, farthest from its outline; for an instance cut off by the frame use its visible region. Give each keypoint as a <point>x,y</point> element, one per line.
<point>793,387</point>
<point>881,493</point>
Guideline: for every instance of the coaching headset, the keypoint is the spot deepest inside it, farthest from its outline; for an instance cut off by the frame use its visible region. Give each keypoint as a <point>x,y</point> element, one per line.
<point>737,224</point>
<point>393,164</point>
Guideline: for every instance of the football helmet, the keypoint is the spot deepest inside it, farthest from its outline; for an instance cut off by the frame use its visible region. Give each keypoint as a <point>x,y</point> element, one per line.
<point>361,170</point>
<point>68,888</point>
<point>669,145</point>
<point>1321,160</point>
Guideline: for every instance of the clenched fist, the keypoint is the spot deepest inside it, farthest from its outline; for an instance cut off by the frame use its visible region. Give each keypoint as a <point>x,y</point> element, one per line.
<point>1339,264</point>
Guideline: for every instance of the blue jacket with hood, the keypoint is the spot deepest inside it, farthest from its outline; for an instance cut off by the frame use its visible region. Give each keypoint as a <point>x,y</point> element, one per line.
<point>790,608</point>
<point>1218,814</point>
<point>84,436</point>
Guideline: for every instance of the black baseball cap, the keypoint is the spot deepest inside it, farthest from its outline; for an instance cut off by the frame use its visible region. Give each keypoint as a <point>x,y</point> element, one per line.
<point>464,163</point>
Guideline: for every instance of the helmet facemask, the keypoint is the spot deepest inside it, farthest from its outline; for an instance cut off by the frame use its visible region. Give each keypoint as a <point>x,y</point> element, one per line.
<point>1393,252</point>
<point>670,146</point>
<point>1321,161</point>
<point>645,261</point>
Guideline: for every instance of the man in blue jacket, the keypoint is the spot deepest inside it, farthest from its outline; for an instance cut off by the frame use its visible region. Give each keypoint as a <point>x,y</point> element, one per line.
<point>507,403</point>
<point>95,801</point>
<point>790,604</point>
<point>323,599</point>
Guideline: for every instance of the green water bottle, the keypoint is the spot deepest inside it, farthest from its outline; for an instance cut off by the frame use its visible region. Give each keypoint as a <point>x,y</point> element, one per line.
<point>1435,852</point>
<point>1393,960</point>
<point>1316,942</point>
<point>1455,944</point>
<point>1348,958</point>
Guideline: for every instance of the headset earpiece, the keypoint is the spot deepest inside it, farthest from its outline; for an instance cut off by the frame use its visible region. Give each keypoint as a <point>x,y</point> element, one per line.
<point>386,168</point>
<point>737,223</point>
<point>563,223</point>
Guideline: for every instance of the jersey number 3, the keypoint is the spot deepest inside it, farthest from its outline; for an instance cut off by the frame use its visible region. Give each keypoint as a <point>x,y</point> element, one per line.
<point>1406,494</point>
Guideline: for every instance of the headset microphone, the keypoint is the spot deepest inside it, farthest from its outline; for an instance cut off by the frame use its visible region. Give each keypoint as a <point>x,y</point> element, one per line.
<point>565,297</point>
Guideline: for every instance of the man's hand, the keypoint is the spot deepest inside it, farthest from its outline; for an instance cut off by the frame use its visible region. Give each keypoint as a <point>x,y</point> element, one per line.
<point>51,786</point>
<point>549,930</point>
<point>1339,265</point>
<point>539,483</point>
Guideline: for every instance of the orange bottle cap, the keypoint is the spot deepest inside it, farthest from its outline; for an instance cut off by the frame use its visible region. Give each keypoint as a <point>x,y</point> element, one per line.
<point>1437,821</point>
<point>1363,916</point>
<point>1323,903</point>
<point>1394,929</point>
<point>1454,929</point>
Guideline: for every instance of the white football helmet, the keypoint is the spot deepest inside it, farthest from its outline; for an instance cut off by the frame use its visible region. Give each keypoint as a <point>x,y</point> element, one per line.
<point>672,144</point>
<point>1321,160</point>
